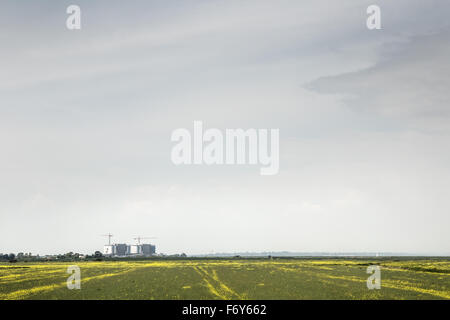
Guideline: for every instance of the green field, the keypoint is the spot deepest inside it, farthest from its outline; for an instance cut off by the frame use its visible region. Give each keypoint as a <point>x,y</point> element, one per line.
<point>229,279</point>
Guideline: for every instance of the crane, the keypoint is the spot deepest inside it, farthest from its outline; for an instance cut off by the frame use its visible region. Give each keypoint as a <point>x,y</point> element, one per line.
<point>139,238</point>
<point>109,235</point>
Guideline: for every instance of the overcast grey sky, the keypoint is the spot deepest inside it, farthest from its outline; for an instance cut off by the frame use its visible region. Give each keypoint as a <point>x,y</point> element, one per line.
<point>86,118</point>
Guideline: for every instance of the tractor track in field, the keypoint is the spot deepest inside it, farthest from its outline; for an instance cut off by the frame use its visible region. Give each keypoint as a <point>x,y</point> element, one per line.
<point>24,293</point>
<point>215,285</point>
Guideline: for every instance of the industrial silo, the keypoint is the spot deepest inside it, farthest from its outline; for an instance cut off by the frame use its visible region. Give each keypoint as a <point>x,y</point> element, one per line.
<point>135,249</point>
<point>148,249</point>
<point>120,249</point>
<point>109,250</point>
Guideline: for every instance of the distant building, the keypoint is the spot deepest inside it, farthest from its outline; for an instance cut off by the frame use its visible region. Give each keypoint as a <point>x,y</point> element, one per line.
<point>109,250</point>
<point>123,250</point>
<point>148,249</point>
<point>135,249</point>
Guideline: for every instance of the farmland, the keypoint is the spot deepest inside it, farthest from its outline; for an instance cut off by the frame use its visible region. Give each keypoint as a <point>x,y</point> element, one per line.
<point>229,279</point>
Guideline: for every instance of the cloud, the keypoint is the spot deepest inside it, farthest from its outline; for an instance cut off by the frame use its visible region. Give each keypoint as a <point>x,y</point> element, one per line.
<point>409,84</point>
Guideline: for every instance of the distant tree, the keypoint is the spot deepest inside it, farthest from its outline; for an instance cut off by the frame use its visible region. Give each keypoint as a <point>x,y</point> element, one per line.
<point>98,256</point>
<point>11,257</point>
<point>183,255</point>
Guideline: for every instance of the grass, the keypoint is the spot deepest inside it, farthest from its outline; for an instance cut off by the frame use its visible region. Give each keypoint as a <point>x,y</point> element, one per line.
<point>229,279</point>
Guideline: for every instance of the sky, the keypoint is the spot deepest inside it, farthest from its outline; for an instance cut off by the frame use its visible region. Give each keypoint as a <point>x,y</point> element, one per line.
<point>86,118</point>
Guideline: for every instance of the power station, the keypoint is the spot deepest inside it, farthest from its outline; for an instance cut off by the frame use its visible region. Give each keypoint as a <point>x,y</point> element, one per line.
<point>126,250</point>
